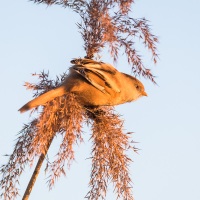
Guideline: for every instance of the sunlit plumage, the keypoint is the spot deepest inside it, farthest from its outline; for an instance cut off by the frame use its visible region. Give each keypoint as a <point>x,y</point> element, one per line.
<point>95,84</point>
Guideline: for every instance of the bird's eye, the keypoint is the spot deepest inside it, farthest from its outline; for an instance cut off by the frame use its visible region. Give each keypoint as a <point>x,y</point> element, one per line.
<point>137,86</point>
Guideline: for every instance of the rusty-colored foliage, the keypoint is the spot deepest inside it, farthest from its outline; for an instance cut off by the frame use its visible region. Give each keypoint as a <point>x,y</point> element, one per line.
<point>65,116</point>
<point>109,160</point>
<point>108,24</point>
<point>103,24</point>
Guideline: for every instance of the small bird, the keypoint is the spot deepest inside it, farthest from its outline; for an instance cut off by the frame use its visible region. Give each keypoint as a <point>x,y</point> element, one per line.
<point>95,84</point>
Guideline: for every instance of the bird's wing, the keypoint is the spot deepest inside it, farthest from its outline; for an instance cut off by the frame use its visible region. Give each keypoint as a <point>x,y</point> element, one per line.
<point>92,64</point>
<point>105,72</point>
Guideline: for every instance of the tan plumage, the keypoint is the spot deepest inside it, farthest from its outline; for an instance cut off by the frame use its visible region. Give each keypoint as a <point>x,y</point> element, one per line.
<point>95,84</point>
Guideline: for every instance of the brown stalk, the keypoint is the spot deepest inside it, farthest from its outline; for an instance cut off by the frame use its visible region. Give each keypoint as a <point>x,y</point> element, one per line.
<point>36,172</point>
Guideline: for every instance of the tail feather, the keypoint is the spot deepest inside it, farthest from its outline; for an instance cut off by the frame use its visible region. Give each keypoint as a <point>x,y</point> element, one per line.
<point>42,99</point>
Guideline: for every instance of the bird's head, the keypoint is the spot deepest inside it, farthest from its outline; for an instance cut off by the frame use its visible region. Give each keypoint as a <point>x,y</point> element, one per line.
<point>136,87</point>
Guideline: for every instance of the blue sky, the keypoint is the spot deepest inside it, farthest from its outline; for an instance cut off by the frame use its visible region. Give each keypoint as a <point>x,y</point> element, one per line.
<point>166,124</point>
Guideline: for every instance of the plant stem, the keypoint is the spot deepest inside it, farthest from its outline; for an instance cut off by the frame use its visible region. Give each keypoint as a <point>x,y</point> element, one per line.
<point>36,173</point>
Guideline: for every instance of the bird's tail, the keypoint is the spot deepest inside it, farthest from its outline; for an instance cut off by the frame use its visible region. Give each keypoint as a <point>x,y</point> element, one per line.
<point>42,99</point>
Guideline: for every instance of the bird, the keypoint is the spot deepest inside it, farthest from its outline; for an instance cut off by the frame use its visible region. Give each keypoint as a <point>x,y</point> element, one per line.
<point>95,84</point>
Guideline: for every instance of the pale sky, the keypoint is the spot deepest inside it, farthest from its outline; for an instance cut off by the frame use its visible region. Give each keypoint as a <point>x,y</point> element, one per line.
<point>166,124</point>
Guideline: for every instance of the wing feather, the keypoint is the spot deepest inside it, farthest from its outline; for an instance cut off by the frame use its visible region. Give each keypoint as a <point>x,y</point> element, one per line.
<point>86,67</point>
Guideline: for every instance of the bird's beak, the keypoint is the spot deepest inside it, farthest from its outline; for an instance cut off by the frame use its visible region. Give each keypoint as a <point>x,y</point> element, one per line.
<point>144,93</point>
